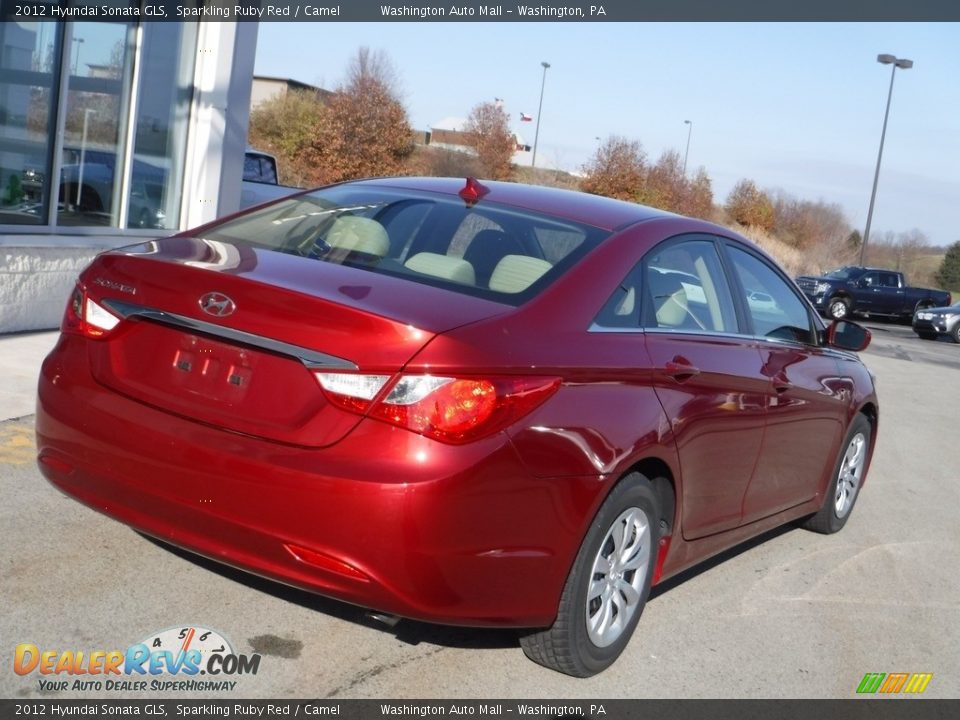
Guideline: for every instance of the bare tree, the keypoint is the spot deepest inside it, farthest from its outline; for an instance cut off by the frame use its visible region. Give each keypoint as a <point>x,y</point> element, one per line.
<point>374,68</point>
<point>806,224</point>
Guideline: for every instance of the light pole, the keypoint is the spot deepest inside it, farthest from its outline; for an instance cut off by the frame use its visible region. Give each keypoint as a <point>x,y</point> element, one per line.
<point>536,134</point>
<point>687,152</point>
<point>904,64</point>
<point>76,56</point>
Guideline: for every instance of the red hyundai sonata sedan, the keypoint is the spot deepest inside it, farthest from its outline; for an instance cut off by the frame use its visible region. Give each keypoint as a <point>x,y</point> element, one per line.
<point>476,404</point>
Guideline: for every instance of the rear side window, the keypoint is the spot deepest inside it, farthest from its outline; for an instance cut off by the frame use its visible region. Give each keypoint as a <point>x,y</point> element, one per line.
<point>890,280</point>
<point>501,253</point>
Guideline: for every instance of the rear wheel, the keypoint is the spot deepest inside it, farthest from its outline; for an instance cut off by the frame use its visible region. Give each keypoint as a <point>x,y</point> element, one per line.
<point>607,587</point>
<point>838,308</point>
<point>848,475</point>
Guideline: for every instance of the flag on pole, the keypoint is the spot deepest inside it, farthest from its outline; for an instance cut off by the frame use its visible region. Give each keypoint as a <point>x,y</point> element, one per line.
<point>526,118</point>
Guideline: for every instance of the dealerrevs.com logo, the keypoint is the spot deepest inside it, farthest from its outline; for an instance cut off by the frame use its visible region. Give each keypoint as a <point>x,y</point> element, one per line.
<point>184,659</point>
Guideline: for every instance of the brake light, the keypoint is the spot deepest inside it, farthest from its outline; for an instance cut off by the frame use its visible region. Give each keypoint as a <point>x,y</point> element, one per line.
<point>452,410</point>
<point>86,317</point>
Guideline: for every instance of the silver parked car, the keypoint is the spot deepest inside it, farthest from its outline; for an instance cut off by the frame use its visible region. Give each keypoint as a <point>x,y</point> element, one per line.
<point>928,323</point>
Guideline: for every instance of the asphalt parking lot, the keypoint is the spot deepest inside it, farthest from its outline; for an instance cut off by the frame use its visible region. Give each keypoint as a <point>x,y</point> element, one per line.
<point>791,615</point>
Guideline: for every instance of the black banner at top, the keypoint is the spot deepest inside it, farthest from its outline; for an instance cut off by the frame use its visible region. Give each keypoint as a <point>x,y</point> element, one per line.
<point>473,11</point>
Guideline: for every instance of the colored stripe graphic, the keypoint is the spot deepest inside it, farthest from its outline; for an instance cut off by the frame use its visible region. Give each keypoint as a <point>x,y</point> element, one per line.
<point>918,682</point>
<point>871,683</point>
<point>893,683</point>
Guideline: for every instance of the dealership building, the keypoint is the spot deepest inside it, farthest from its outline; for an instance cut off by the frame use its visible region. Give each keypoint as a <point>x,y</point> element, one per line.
<point>111,132</point>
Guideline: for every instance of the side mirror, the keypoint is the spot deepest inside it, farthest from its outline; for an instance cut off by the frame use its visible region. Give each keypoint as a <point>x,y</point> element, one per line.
<point>847,335</point>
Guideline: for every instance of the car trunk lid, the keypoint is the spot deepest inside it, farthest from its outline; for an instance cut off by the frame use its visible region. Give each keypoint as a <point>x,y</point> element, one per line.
<point>246,362</point>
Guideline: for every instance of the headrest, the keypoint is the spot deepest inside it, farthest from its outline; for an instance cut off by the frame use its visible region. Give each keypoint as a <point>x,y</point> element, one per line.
<point>359,234</point>
<point>442,266</point>
<point>515,273</point>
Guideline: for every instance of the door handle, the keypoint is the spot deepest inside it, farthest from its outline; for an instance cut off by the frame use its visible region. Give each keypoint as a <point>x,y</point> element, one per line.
<point>680,369</point>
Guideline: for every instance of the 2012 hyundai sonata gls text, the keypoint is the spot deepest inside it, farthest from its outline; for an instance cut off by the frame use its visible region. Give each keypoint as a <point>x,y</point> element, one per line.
<point>477,404</point>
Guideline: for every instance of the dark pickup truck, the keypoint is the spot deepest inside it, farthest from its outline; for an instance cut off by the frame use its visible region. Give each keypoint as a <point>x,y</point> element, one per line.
<point>868,291</point>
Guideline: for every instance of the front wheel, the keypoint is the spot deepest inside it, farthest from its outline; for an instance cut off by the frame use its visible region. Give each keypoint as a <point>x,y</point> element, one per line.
<point>607,587</point>
<point>955,333</point>
<point>838,308</point>
<point>848,476</point>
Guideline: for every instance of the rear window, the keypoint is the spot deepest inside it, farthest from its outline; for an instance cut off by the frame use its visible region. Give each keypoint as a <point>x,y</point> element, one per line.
<point>492,251</point>
<point>259,168</point>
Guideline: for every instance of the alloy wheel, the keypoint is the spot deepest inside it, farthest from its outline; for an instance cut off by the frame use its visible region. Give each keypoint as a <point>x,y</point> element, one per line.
<point>851,472</point>
<point>617,580</point>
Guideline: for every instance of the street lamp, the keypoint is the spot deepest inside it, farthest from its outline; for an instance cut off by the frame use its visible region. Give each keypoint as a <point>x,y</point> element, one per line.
<point>76,56</point>
<point>903,64</point>
<point>536,134</point>
<point>685,154</point>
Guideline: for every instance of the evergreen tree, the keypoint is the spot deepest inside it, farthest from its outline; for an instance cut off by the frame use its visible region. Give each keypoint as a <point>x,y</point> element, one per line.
<point>948,276</point>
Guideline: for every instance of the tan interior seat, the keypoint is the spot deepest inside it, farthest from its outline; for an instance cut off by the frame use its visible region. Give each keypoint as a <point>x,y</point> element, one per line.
<point>488,248</point>
<point>358,234</point>
<point>672,308</point>
<point>515,273</point>
<point>442,266</point>
<point>627,305</point>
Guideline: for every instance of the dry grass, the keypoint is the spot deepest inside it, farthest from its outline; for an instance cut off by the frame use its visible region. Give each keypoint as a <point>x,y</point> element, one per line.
<point>792,259</point>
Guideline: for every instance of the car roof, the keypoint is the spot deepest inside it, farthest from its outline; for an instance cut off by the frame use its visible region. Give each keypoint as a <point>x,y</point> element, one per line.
<point>595,210</point>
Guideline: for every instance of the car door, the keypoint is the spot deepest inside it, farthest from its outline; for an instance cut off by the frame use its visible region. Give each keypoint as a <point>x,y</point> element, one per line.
<point>707,377</point>
<point>867,292</point>
<point>891,298</point>
<point>806,398</point>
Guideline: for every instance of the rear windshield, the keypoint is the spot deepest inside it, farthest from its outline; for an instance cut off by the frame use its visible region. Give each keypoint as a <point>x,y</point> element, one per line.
<point>492,251</point>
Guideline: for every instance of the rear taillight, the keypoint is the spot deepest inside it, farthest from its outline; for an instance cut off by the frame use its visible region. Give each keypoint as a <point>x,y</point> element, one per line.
<point>85,317</point>
<point>450,409</point>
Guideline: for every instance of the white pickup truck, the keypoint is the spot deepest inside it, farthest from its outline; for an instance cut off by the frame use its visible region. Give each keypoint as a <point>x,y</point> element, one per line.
<point>261,181</point>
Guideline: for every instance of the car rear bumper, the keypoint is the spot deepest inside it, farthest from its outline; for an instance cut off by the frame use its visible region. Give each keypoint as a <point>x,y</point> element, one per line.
<point>384,519</point>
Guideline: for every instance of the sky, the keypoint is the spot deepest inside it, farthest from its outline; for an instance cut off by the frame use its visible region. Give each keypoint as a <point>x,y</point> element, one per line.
<point>796,107</point>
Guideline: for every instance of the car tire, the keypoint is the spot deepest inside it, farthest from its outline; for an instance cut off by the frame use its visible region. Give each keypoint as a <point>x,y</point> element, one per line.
<point>607,587</point>
<point>955,333</point>
<point>838,308</point>
<point>848,475</point>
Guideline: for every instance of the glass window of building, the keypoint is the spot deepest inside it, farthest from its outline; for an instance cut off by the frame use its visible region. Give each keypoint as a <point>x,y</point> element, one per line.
<point>118,95</point>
